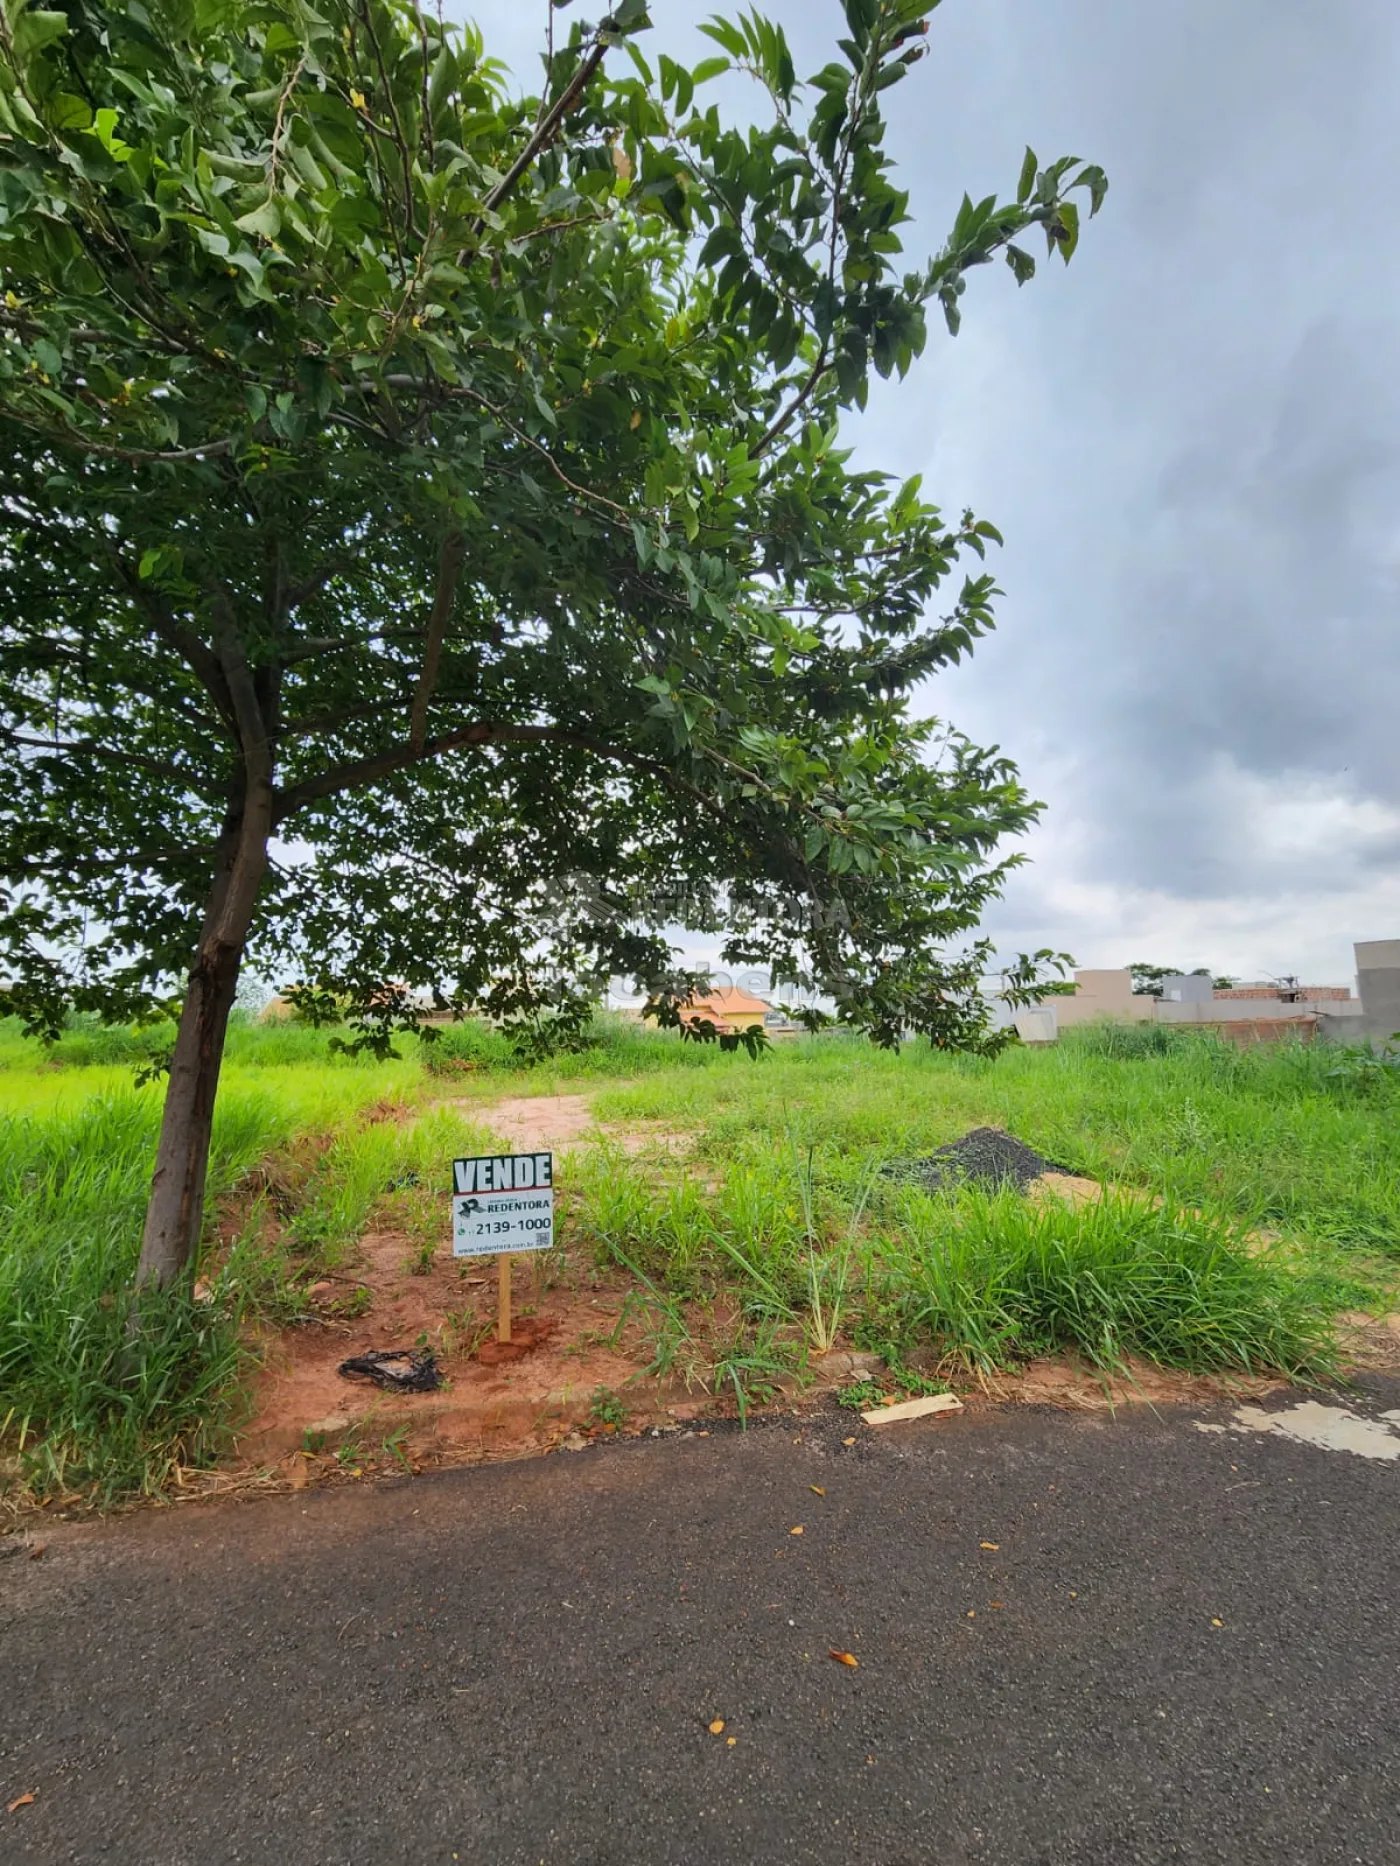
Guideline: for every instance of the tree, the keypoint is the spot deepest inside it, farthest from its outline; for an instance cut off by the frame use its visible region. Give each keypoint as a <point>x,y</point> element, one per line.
<point>428,554</point>
<point>1148,979</point>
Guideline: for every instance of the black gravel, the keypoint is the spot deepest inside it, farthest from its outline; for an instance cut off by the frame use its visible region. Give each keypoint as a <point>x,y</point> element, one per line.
<point>988,1156</point>
<point>1082,1641</point>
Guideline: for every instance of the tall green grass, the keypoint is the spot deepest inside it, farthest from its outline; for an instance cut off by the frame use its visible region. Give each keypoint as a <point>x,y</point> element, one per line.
<point>85,1401</point>
<point>1286,1137</point>
<point>92,1397</point>
<point>471,1053</point>
<point>986,1280</point>
<point>963,1281</point>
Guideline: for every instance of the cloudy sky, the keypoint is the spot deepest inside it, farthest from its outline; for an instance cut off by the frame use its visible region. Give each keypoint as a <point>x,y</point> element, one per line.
<point>1191,440</point>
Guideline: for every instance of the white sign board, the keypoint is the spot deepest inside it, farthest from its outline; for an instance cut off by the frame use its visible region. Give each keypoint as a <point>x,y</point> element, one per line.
<point>502,1202</point>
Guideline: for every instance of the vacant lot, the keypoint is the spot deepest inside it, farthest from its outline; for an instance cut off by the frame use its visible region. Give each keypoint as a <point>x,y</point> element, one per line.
<point>730,1230</point>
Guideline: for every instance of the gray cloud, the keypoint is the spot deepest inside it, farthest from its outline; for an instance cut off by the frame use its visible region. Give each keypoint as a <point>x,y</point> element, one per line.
<point>1191,439</point>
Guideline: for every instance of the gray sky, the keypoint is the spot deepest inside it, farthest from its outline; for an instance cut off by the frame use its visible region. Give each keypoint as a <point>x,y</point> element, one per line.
<point>1191,440</point>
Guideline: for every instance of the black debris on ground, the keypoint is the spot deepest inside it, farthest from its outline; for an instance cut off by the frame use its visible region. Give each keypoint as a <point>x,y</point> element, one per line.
<point>400,1370</point>
<point>988,1157</point>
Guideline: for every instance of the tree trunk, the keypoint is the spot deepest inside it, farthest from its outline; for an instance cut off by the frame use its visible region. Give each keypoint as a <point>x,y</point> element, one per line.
<point>175,1213</point>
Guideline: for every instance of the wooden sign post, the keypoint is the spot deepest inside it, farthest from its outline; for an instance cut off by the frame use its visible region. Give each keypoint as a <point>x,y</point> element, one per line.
<point>503,1296</point>
<point>501,1204</point>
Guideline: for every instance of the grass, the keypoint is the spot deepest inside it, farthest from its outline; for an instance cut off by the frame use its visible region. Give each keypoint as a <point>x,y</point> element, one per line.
<point>746,1283</point>
<point>782,1241</point>
<point>1290,1138</point>
<point>1213,1149</point>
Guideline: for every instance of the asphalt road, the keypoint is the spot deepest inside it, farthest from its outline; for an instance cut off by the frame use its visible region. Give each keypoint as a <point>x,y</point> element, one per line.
<point>1184,1648</point>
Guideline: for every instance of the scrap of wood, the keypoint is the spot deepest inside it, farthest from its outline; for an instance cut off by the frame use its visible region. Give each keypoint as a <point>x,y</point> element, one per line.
<point>914,1408</point>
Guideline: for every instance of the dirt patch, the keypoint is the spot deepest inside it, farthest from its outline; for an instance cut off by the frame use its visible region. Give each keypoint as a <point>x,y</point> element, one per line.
<point>1069,1382</point>
<point>525,1338</point>
<point>1370,1341</point>
<point>496,1399</point>
<point>530,1122</point>
<point>1069,1188</point>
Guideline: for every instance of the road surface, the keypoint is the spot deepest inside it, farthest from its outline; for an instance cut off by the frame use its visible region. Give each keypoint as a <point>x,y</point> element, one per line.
<point>1081,1641</point>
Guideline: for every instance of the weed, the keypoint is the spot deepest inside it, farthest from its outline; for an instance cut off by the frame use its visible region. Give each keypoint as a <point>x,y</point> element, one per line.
<point>350,1308</point>
<point>985,1279</point>
<point>861,1395</point>
<point>828,1271</point>
<point>463,1331</point>
<point>394,1447</point>
<point>754,1364</point>
<point>671,1343</point>
<point>606,1410</point>
<point>422,1257</point>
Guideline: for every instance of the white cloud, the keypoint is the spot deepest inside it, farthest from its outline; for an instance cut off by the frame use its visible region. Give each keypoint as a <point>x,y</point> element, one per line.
<point>1304,882</point>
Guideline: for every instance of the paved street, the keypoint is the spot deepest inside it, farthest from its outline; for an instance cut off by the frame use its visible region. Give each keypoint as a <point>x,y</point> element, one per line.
<point>1183,1647</point>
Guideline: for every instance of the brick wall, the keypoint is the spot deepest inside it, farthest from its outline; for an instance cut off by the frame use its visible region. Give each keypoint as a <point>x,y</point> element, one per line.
<point>1314,994</point>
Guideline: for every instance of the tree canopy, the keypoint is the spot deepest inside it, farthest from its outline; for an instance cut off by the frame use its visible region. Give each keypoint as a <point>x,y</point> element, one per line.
<point>429,558</point>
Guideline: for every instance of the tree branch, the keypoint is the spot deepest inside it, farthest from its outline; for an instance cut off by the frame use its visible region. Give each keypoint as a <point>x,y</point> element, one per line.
<point>784,416</point>
<point>395,758</point>
<point>308,725</point>
<point>405,157</point>
<point>275,147</point>
<point>460,390</point>
<point>91,748</point>
<point>449,570</point>
<point>64,436</point>
<point>399,757</point>
<point>201,660</point>
<point>541,137</point>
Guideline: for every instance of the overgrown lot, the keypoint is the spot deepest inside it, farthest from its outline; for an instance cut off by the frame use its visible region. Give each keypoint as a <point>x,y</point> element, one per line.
<point>1251,1195</point>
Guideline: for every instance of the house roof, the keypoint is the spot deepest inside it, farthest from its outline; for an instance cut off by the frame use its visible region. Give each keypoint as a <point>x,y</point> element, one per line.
<point>726,1007</point>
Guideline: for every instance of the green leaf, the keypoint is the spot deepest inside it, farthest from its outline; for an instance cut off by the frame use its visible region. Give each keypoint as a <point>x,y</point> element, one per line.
<point>34,29</point>
<point>1021,263</point>
<point>104,126</point>
<point>64,111</point>
<point>726,34</point>
<point>1068,238</point>
<point>1094,179</point>
<point>264,220</point>
<point>1026,185</point>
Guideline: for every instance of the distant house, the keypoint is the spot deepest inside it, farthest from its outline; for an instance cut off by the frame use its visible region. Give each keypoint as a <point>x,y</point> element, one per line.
<point>730,1010</point>
<point>1251,1013</point>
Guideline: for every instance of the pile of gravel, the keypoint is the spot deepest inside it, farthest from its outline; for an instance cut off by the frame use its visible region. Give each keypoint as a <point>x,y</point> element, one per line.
<point>988,1156</point>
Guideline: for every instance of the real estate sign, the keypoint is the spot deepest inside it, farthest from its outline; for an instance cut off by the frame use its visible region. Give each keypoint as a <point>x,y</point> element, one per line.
<point>502,1203</point>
